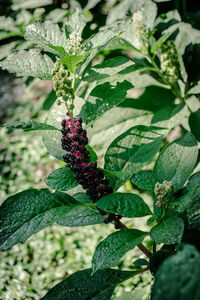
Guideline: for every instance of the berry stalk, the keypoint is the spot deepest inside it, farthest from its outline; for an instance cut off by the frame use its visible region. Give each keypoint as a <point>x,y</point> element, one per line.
<point>74,141</point>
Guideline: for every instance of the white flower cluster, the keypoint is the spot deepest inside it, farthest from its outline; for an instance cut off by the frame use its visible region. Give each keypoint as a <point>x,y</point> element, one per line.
<point>74,43</point>
<point>140,30</point>
<point>169,61</point>
<point>162,191</point>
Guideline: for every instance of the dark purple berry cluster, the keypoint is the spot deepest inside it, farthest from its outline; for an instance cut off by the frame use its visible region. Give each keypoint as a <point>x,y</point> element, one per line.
<point>74,141</point>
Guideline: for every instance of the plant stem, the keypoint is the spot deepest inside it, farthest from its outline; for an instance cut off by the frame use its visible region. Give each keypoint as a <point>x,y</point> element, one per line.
<point>140,246</point>
<point>145,250</point>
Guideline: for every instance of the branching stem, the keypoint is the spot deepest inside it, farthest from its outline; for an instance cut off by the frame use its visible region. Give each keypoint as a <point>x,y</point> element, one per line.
<point>140,246</point>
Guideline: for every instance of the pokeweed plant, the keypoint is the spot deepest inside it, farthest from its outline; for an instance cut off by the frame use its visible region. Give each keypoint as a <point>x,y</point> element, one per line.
<point>88,95</point>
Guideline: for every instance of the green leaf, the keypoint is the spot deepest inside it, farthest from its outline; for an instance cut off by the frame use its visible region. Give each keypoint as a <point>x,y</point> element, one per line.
<point>114,247</point>
<point>21,4</point>
<point>193,215</point>
<point>95,44</point>
<point>108,68</point>
<point>178,276</point>
<point>126,204</point>
<point>102,98</point>
<point>47,36</point>
<point>82,198</point>
<point>132,150</point>
<point>173,163</point>
<point>93,155</point>
<point>170,231</point>
<point>83,215</point>
<point>75,23</point>
<point>100,40</point>
<point>159,42</point>
<point>137,294</point>
<point>28,212</point>
<point>82,285</point>
<point>145,180</point>
<point>61,180</point>
<point>149,100</point>
<point>147,8</point>
<point>49,101</point>
<point>29,125</point>
<point>72,61</point>
<point>52,140</point>
<point>191,201</point>
<point>195,89</point>
<point>29,63</point>
<point>162,0</point>
<point>171,115</point>
<point>190,197</point>
<point>140,262</point>
<point>194,122</point>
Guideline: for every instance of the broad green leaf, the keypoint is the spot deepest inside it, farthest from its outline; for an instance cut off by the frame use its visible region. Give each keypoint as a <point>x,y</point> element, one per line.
<point>149,100</point>
<point>147,8</point>
<point>178,276</point>
<point>191,59</point>
<point>136,294</point>
<point>48,36</point>
<point>145,180</point>
<point>118,174</point>
<point>132,150</point>
<point>84,215</point>
<point>6,49</point>
<point>173,163</point>
<point>49,101</point>
<point>186,38</point>
<point>114,247</point>
<point>126,204</point>
<point>21,4</point>
<point>193,215</point>
<point>102,98</point>
<point>94,45</point>
<point>162,0</point>
<point>93,155</point>
<point>100,40</point>
<point>115,122</point>
<point>28,212</point>
<point>82,285</point>
<point>29,63</point>
<point>82,198</point>
<point>171,115</point>
<point>194,122</point>
<point>72,61</point>
<point>195,89</point>
<point>191,195</point>
<point>75,24</point>
<point>170,231</point>
<point>61,179</point>
<point>159,42</point>
<point>29,125</point>
<point>108,68</point>
<point>191,201</point>
<point>52,140</point>
<point>140,262</point>
<point>151,220</point>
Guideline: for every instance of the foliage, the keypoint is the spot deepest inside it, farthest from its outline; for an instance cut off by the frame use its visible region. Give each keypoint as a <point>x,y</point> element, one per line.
<point>156,58</point>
